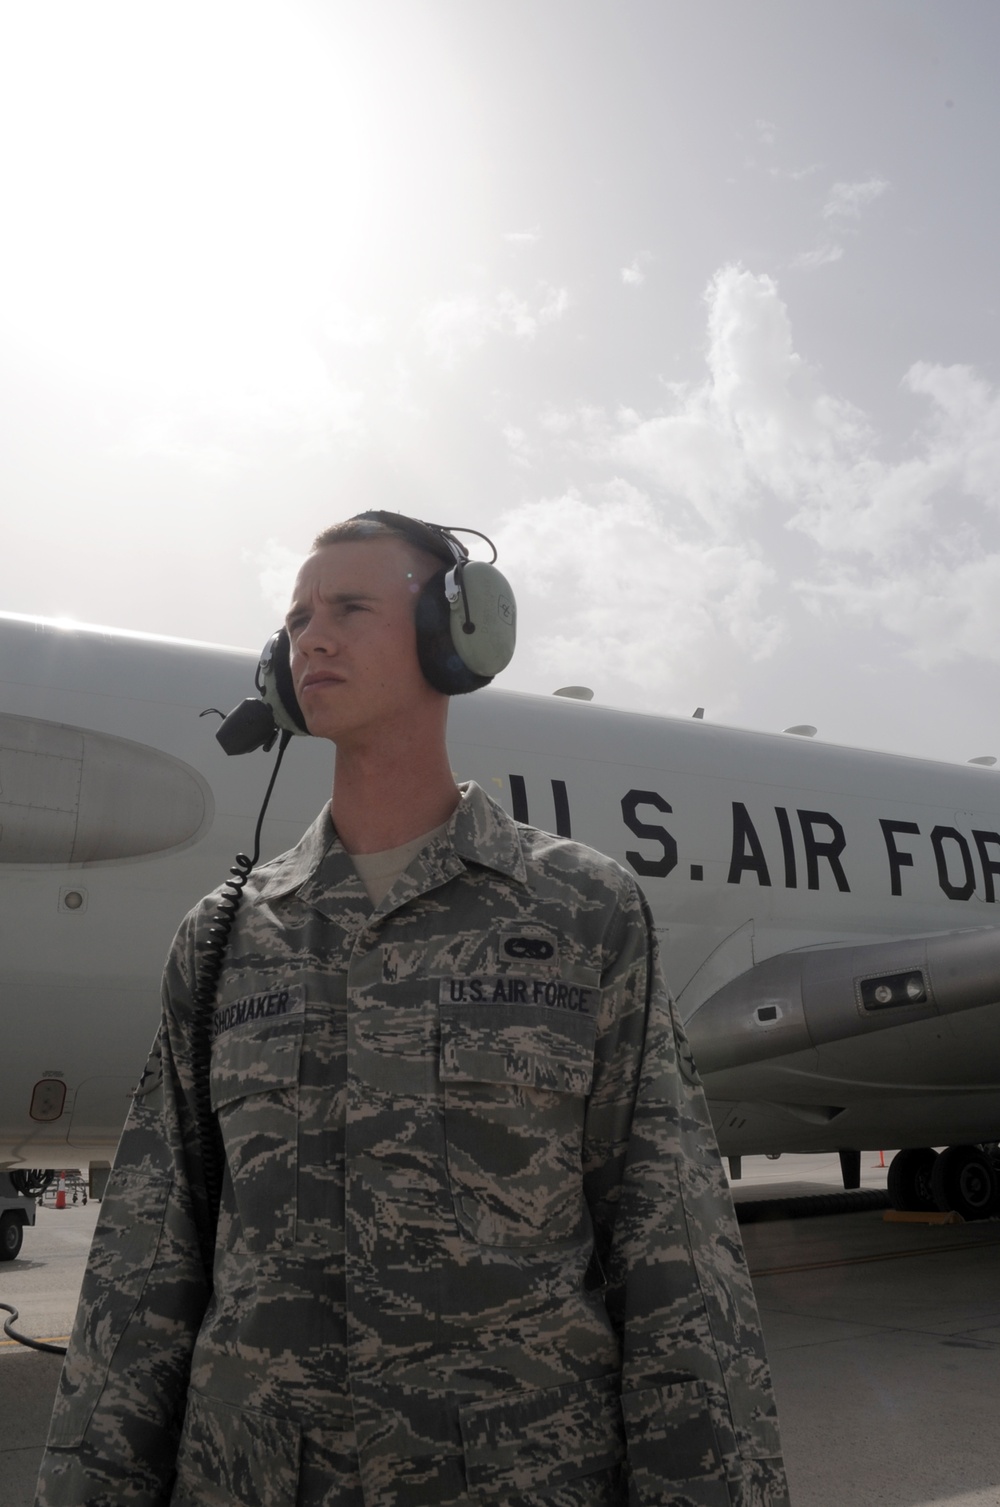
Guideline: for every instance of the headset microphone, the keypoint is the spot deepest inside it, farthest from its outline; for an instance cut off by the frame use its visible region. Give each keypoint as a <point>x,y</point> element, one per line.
<point>256,724</point>
<point>248,726</point>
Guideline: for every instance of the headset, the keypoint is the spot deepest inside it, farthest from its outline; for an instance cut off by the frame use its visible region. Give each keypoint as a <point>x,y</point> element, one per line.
<point>466,623</point>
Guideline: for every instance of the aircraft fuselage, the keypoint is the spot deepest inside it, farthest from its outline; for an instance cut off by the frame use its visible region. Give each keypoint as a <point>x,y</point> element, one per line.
<point>118,810</point>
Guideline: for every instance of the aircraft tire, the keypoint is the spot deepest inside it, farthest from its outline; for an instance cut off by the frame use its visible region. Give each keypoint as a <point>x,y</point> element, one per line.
<point>11,1235</point>
<point>908,1182</point>
<point>965,1181</point>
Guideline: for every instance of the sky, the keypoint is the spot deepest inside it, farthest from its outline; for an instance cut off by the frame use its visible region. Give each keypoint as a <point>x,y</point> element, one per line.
<point>691,305</point>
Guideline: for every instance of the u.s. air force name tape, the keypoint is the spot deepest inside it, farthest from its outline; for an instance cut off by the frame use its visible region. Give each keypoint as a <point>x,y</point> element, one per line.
<point>497,989</point>
<point>289,999</point>
<point>478,989</point>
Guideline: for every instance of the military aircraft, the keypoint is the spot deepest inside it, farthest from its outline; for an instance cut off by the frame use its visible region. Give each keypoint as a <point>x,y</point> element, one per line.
<point>827,914</point>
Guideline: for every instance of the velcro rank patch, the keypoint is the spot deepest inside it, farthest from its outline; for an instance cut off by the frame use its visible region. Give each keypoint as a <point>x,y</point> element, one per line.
<point>504,989</point>
<point>528,944</point>
<point>287,999</point>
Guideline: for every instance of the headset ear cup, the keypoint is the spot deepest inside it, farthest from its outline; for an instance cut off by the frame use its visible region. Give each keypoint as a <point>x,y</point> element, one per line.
<point>440,661</point>
<point>283,679</point>
<point>486,606</point>
<point>278,688</point>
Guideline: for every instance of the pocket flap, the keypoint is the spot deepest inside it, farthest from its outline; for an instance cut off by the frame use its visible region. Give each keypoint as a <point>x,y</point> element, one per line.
<point>528,1441</point>
<point>231,1454</point>
<point>498,1043</point>
<point>671,1442</point>
<point>255,1054</point>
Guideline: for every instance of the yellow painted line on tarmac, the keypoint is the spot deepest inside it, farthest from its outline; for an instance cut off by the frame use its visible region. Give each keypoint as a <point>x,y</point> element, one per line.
<point>924,1250</point>
<point>58,1339</point>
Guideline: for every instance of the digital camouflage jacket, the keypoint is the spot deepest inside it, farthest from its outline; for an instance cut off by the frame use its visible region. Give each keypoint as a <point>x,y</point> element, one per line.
<point>475,1245</point>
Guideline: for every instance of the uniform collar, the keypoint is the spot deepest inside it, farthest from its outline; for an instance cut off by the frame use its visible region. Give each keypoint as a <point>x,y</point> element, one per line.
<point>480,832</point>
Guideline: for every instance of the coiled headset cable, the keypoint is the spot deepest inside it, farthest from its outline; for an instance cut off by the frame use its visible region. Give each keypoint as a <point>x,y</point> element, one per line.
<point>205,990</point>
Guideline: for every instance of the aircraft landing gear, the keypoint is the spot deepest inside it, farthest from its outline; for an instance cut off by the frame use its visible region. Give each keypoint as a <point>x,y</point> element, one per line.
<point>909,1179</point>
<point>964,1179</point>
<point>850,1168</point>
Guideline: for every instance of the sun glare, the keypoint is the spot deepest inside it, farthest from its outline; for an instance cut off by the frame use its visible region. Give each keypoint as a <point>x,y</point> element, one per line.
<point>191,186</point>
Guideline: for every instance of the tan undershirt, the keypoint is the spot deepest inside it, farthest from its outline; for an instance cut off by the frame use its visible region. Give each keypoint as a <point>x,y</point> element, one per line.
<point>378,872</point>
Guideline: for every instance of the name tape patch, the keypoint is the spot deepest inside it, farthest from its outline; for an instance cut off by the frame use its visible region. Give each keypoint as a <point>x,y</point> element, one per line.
<point>502,989</point>
<point>288,999</point>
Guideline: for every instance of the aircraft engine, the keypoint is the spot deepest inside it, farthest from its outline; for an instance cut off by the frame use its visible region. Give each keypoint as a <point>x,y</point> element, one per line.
<point>804,1000</point>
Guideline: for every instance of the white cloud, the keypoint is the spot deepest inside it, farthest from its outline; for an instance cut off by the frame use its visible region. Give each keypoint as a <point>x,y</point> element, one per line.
<point>933,579</point>
<point>759,429</point>
<point>277,567</point>
<point>821,256</point>
<point>456,325</point>
<point>554,306</point>
<point>633,275</point>
<point>846,200</point>
<point>352,326</point>
<point>913,502</point>
<point>518,444</point>
<point>794,174</point>
<point>762,437</point>
<point>254,391</point>
<point>624,598</point>
<point>558,422</point>
<point>943,609</point>
<point>767,132</point>
<point>523,237</point>
<point>753,494</point>
<point>964,441</point>
<point>844,204</point>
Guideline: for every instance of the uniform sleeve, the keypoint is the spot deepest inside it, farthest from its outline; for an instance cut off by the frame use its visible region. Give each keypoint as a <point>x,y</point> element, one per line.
<point>120,1402</point>
<point>699,1413</point>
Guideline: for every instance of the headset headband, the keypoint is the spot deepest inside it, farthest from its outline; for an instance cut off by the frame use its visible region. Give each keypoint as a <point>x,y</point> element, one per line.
<point>436,538</point>
<point>439,540</point>
<point>465,624</point>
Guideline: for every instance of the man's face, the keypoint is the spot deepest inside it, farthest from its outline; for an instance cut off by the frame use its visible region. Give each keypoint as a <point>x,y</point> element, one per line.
<point>353,642</point>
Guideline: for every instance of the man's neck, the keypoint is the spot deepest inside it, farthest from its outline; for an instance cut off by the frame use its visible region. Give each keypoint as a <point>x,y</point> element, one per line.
<point>384,801</point>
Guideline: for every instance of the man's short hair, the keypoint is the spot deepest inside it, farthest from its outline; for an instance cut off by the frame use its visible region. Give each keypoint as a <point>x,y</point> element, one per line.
<point>410,530</point>
<point>351,530</point>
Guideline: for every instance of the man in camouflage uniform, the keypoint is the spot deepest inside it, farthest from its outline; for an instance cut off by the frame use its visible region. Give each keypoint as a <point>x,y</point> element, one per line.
<point>475,1243</point>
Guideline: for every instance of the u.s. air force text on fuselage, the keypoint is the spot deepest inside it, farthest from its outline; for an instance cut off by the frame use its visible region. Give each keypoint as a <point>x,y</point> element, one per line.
<point>798,847</point>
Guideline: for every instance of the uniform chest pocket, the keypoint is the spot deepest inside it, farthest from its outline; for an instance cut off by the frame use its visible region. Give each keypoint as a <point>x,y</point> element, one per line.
<point>255,1092</point>
<point>514,1080</point>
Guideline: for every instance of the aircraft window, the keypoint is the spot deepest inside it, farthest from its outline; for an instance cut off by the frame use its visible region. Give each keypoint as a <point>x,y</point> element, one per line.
<point>69,795</point>
<point>893,989</point>
<point>767,1012</point>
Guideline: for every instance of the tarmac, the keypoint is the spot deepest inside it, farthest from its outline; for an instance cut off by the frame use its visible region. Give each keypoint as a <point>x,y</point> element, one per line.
<point>884,1340</point>
<point>43,1284</point>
